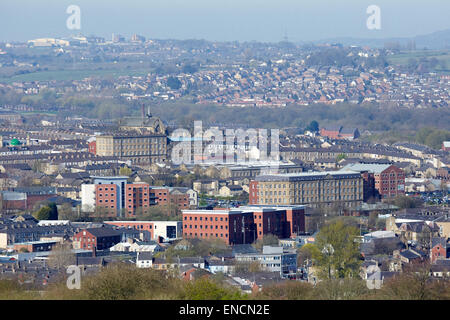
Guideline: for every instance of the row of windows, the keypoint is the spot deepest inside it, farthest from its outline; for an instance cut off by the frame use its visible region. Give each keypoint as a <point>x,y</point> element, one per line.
<point>314,184</point>
<point>106,189</point>
<point>308,199</point>
<point>206,234</point>
<point>106,200</point>
<point>332,191</point>
<point>206,227</point>
<point>206,219</point>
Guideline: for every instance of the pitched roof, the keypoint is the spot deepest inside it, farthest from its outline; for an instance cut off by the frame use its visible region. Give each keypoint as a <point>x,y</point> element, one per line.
<point>408,254</point>
<point>438,241</point>
<point>103,232</point>
<point>144,256</point>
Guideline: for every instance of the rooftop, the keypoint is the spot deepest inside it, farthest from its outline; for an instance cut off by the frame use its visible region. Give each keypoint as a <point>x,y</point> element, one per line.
<point>370,167</point>
<point>314,175</point>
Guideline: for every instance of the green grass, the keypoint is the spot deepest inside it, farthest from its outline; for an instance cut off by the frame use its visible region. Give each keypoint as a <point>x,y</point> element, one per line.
<point>67,74</point>
<point>403,58</point>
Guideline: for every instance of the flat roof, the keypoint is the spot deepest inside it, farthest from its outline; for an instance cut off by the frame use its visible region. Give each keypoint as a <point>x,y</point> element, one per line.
<point>163,221</point>
<point>110,178</point>
<point>35,242</point>
<point>211,211</point>
<point>371,167</point>
<point>245,209</point>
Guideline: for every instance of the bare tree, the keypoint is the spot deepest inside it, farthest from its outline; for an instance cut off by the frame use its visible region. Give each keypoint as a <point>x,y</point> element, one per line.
<point>61,256</point>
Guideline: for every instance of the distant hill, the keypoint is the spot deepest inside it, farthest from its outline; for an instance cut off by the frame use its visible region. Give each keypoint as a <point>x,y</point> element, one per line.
<point>434,41</point>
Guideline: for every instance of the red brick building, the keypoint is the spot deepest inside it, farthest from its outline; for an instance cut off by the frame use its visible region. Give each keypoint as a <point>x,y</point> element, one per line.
<point>446,146</point>
<point>138,225</point>
<point>106,197</point>
<point>438,249</point>
<point>95,239</point>
<point>389,179</point>
<point>245,224</point>
<point>34,246</point>
<point>12,201</point>
<point>253,192</point>
<point>168,196</point>
<point>138,196</point>
<point>92,147</point>
<point>390,182</point>
<point>330,132</point>
<point>340,133</point>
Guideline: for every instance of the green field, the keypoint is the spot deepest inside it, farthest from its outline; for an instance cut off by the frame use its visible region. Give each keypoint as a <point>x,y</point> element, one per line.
<point>403,58</point>
<point>67,74</point>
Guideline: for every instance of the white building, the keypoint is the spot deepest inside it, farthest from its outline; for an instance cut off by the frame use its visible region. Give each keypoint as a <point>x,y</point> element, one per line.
<point>168,230</point>
<point>137,247</point>
<point>273,259</point>
<point>88,197</point>
<point>144,260</point>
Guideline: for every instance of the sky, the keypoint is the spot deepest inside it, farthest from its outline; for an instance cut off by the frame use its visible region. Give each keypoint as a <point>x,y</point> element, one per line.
<point>223,20</point>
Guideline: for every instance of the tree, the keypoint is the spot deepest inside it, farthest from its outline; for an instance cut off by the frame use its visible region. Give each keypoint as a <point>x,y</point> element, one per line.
<point>267,240</point>
<point>125,171</point>
<point>338,252</point>
<point>373,216</point>
<point>37,166</point>
<point>100,213</point>
<point>53,211</point>
<point>340,157</point>
<point>189,68</point>
<point>313,126</point>
<point>415,283</point>
<point>174,83</point>
<point>306,253</point>
<point>66,212</point>
<point>289,290</point>
<point>247,266</point>
<point>43,214</point>
<point>206,289</point>
<point>61,256</point>
<point>405,202</point>
<point>341,289</point>
<point>126,282</point>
